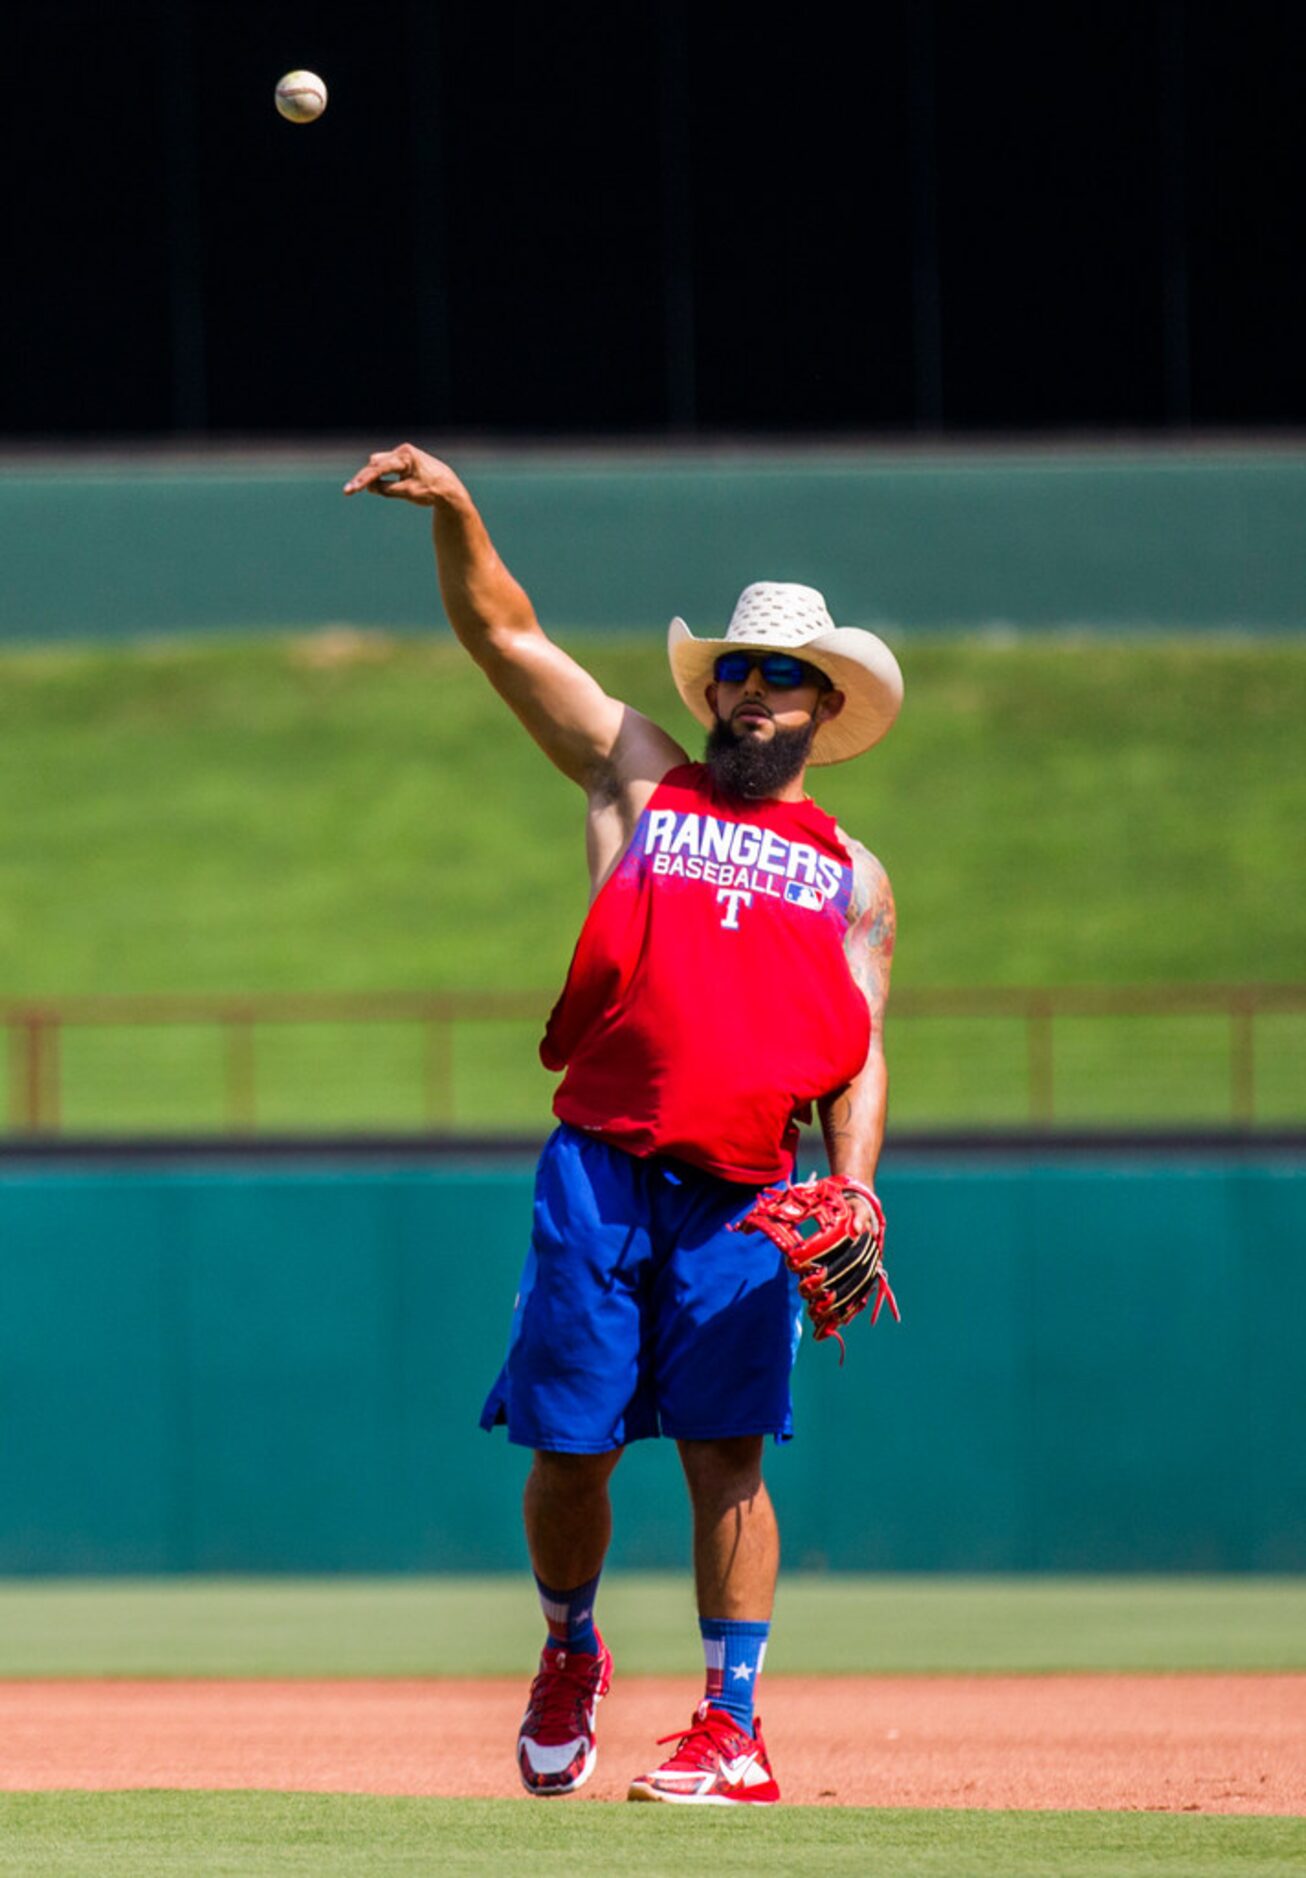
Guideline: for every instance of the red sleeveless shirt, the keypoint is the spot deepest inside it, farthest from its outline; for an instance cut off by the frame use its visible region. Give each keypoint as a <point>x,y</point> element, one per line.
<point>709,999</point>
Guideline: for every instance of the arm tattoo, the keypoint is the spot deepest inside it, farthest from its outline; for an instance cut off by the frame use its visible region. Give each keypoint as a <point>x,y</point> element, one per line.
<point>872,928</point>
<point>852,1118</point>
<point>837,1120</point>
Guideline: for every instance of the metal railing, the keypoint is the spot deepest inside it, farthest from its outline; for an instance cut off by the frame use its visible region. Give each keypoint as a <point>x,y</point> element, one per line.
<point>1039,1009</point>
<point>247,1029</point>
<point>36,1032</point>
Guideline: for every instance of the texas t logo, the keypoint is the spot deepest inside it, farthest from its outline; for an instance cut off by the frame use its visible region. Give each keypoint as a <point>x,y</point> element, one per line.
<point>732,896</point>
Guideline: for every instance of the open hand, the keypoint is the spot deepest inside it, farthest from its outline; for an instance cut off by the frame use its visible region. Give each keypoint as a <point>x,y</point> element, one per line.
<point>408,473</point>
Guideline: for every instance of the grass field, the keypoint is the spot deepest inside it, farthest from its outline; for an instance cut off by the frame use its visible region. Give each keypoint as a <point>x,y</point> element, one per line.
<point>141,1835</point>
<point>360,813</point>
<point>825,1624</point>
<point>477,1626</point>
<point>274,814</point>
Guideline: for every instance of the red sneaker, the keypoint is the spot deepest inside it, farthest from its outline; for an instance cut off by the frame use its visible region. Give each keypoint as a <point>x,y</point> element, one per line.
<point>715,1764</point>
<point>555,1749</point>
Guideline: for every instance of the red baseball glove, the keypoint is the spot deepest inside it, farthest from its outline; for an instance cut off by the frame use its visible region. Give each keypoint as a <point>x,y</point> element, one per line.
<point>839,1262</point>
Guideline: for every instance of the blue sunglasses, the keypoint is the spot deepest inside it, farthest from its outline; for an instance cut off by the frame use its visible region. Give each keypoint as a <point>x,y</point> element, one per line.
<point>780,670</point>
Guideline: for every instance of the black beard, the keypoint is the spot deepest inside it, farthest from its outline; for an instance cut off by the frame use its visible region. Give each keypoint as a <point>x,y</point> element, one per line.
<point>751,770</point>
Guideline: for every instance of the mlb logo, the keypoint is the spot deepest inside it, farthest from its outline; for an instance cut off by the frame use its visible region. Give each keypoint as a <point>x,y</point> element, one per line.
<point>798,893</point>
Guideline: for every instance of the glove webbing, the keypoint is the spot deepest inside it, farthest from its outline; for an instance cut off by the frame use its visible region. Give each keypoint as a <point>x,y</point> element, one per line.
<point>821,1207</point>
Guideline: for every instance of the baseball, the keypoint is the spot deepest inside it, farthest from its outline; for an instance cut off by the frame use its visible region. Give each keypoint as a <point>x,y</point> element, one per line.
<point>301,96</point>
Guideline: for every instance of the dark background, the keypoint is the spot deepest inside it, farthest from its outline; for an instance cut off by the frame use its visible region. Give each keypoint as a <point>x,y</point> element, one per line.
<point>585,219</point>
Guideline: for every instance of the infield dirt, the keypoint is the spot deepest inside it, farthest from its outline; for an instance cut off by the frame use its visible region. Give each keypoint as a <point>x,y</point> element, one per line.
<point>1181,1743</point>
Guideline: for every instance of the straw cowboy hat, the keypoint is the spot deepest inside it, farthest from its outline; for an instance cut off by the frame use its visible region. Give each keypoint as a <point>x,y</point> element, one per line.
<point>779,616</point>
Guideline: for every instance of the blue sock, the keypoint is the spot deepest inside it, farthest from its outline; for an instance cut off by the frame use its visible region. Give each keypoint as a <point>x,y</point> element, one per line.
<point>733,1653</point>
<point>570,1616</point>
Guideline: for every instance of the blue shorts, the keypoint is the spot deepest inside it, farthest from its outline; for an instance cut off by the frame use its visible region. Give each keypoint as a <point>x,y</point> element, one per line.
<point>639,1314</point>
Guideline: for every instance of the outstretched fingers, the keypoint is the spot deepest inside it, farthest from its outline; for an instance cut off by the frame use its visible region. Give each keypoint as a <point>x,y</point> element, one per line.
<point>387,473</point>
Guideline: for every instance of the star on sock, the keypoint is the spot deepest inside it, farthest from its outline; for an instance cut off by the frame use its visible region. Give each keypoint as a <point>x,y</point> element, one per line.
<point>733,1649</point>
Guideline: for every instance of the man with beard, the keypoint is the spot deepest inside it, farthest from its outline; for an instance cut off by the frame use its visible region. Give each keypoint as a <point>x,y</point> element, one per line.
<point>731,974</point>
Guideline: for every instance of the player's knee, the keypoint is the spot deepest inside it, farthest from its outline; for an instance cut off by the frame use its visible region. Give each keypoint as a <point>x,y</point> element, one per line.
<point>571,1476</point>
<point>731,1468</point>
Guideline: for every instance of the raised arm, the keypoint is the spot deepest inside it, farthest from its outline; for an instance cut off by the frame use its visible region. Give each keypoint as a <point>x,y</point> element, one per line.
<point>577,725</point>
<point>852,1118</point>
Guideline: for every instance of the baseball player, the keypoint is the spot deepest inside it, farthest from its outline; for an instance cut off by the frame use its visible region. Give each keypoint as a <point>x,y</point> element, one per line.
<point>731,974</point>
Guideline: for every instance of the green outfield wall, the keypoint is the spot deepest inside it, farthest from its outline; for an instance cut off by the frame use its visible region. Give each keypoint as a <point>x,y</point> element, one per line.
<point>273,1368</point>
<point>1211,539</point>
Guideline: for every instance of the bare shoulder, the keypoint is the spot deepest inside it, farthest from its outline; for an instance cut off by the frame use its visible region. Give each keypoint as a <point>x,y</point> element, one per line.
<point>871,890</point>
<point>642,753</point>
<point>620,788</point>
<point>872,927</point>
<point>641,756</point>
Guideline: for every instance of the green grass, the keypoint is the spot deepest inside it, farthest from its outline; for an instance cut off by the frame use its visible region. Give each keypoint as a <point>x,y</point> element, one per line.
<point>825,1624</point>
<point>408,1626</point>
<point>252,1834</point>
<point>364,815</point>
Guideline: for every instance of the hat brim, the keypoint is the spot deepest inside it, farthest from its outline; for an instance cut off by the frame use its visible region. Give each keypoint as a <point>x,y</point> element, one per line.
<point>857,663</point>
